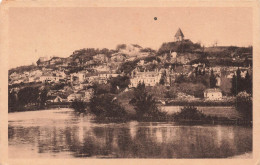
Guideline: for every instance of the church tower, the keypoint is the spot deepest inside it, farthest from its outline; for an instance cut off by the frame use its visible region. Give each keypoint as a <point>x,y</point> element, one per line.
<point>179,35</point>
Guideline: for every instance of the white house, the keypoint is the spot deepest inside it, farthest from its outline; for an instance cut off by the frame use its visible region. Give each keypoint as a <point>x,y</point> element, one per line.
<point>150,78</point>
<point>213,94</point>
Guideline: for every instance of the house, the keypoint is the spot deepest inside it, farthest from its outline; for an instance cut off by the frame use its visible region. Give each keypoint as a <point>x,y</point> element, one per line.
<point>213,94</point>
<point>107,75</point>
<point>149,78</point>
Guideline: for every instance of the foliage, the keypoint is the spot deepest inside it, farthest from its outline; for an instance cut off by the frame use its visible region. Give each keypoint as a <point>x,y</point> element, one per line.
<point>106,105</point>
<point>200,60</point>
<point>244,104</point>
<point>58,86</point>
<point>84,55</point>
<point>193,89</point>
<point>101,88</point>
<point>163,78</point>
<point>25,96</point>
<point>147,50</point>
<point>28,95</point>
<point>212,80</point>
<point>203,79</point>
<point>240,84</point>
<point>22,69</point>
<point>189,113</point>
<point>180,47</point>
<point>120,81</point>
<point>144,103</point>
<point>43,96</point>
<point>170,94</point>
<point>248,83</point>
<point>128,66</point>
<point>79,106</point>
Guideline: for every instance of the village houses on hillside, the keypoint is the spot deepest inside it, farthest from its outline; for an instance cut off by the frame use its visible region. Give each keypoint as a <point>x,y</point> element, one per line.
<point>79,71</point>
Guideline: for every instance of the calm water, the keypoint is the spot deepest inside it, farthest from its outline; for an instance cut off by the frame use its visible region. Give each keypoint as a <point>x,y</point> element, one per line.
<point>62,134</point>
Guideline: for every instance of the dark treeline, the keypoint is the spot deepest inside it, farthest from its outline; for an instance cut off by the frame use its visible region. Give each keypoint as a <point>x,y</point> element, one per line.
<point>28,96</point>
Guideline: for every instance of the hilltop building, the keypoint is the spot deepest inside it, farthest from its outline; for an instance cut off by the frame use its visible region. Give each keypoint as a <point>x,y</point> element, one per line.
<point>179,36</point>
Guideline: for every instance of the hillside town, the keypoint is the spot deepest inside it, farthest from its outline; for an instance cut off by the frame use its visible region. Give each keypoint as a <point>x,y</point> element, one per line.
<point>178,71</point>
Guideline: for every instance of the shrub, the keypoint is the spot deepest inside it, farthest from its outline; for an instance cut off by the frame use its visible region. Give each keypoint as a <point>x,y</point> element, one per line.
<point>189,113</point>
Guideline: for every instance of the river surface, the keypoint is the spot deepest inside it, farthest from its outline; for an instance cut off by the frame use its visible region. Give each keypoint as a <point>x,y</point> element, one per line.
<point>60,133</point>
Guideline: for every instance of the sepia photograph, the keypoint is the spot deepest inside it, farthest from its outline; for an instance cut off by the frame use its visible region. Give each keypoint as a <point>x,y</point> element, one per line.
<point>130,82</point>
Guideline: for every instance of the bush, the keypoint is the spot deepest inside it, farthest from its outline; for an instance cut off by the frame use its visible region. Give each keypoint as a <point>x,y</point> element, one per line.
<point>79,106</point>
<point>189,113</point>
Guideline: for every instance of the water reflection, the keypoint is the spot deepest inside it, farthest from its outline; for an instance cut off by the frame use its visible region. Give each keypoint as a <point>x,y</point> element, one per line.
<point>79,136</point>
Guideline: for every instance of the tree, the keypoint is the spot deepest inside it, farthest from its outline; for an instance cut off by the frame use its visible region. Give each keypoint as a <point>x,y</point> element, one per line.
<point>189,113</point>
<point>196,71</point>
<point>234,85</point>
<point>106,105</point>
<point>212,80</point>
<point>163,78</point>
<point>144,103</point>
<point>199,72</point>
<point>244,104</point>
<point>43,96</point>
<point>120,81</point>
<point>238,83</point>
<point>79,106</point>
<point>248,83</point>
<point>12,101</point>
<point>28,95</point>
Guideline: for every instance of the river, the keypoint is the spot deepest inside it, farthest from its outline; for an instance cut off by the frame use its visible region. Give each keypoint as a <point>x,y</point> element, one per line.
<point>60,133</point>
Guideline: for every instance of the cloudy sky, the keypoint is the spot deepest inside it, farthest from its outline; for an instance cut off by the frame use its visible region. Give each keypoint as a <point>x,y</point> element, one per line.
<point>36,32</point>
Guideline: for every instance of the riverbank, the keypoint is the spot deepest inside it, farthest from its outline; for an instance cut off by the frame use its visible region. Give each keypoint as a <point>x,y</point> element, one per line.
<point>199,103</point>
<point>37,107</point>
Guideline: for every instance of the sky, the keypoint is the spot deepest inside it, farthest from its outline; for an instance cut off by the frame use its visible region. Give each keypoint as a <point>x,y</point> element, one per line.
<point>38,32</point>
